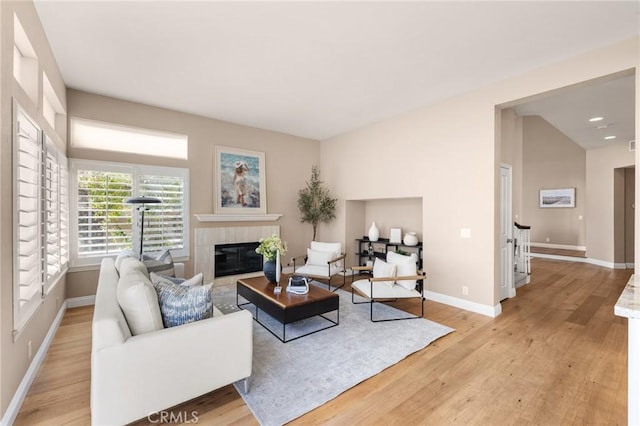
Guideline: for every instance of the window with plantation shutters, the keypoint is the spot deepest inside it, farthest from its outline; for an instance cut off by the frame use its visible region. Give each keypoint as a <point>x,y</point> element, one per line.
<point>64,213</point>
<point>27,269</point>
<point>40,216</point>
<point>55,210</point>
<point>104,221</point>
<point>104,224</point>
<point>165,222</point>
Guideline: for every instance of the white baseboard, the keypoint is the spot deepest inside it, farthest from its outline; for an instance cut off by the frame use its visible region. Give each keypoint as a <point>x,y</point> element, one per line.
<point>13,409</point>
<point>559,246</point>
<point>490,311</point>
<point>597,262</point>
<point>631,265</point>
<point>76,302</point>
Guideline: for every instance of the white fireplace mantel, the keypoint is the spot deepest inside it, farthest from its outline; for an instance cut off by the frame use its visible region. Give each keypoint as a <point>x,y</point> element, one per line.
<point>207,217</point>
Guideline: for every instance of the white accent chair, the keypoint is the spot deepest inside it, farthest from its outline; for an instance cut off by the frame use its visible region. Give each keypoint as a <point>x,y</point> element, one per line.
<point>323,261</point>
<point>405,282</point>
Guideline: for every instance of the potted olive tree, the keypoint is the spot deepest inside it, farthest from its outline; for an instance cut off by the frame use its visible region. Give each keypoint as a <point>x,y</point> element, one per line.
<point>314,202</point>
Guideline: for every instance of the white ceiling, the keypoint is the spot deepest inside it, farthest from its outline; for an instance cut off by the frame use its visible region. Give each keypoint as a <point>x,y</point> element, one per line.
<point>315,69</point>
<point>571,108</point>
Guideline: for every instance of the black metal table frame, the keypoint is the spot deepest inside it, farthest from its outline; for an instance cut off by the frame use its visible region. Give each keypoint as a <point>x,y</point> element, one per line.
<point>283,339</point>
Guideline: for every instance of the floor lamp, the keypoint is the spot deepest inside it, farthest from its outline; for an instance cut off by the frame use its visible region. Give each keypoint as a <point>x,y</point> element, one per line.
<point>141,203</point>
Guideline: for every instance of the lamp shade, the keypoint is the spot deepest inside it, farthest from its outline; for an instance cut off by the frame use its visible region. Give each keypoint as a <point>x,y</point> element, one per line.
<point>143,200</point>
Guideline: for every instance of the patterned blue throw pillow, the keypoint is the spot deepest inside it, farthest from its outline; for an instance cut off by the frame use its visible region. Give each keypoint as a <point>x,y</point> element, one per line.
<point>183,304</point>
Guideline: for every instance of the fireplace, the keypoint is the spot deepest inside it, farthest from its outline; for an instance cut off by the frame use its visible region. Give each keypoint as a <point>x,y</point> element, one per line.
<point>209,240</point>
<point>236,259</point>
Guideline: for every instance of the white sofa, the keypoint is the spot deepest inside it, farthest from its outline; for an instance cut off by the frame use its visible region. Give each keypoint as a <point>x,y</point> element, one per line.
<point>134,376</point>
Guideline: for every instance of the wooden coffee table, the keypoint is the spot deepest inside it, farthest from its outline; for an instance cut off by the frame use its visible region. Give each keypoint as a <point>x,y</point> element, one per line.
<point>285,307</point>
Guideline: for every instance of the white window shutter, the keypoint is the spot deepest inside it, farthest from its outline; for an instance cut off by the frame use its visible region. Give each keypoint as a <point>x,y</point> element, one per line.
<point>55,210</point>
<point>104,218</point>
<point>164,222</point>
<point>28,275</point>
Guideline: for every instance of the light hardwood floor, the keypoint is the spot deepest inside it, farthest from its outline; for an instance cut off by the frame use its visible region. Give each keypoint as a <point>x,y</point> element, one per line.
<point>557,355</point>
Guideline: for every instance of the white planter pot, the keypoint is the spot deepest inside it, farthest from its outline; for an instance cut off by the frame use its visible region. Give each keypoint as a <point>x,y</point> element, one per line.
<point>410,239</point>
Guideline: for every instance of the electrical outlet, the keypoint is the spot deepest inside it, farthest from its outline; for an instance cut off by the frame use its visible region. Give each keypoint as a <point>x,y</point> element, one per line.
<point>548,239</point>
<point>29,352</point>
<point>465,290</point>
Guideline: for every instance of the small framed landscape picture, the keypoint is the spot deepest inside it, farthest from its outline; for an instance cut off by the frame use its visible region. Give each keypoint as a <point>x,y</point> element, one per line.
<point>558,198</point>
<point>239,181</point>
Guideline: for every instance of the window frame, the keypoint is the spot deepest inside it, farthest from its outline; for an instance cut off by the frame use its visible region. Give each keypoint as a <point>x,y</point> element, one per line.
<point>88,262</point>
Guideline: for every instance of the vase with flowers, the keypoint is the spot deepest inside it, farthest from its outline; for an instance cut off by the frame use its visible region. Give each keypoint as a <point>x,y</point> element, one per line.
<point>271,248</point>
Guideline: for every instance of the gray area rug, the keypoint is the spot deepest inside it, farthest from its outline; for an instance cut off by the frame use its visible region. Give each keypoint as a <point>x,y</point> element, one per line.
<point>290,379</point>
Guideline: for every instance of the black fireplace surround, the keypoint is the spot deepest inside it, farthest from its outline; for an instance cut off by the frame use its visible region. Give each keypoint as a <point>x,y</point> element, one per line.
<point>237,258</point>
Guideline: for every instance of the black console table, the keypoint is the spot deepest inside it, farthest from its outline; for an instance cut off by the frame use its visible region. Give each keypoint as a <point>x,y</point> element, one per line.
<point>369,250</point>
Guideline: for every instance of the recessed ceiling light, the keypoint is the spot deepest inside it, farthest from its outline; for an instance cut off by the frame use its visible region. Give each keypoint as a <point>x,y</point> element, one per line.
<point>607,138</point>
<point>592,119</point>
<point>602,126</point>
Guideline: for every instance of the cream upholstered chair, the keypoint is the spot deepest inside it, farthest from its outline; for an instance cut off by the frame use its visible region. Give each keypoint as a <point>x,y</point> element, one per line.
<point>323,261</point>
<point>397,278</point>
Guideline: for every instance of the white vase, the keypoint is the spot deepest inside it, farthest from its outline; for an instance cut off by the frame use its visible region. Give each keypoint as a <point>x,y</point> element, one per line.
<point>410,239</point>
<point>374,233</point>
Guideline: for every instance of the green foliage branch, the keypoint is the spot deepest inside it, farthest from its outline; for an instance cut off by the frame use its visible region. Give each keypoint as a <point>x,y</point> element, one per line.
<point>315,203</point>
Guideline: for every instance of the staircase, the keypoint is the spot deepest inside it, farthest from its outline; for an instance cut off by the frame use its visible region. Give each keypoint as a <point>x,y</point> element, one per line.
<point>522,254</point>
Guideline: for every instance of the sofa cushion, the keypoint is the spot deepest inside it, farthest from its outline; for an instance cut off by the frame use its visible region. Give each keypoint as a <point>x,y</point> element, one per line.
<point>318,257</point>
<point>382,269</point>
<point>184,304</point>
<point>334,248</point>
<point>405,266</point>
<point>195,280</point>
<point>162,263</point>
<point>137,298</point>
<point>123,255</point>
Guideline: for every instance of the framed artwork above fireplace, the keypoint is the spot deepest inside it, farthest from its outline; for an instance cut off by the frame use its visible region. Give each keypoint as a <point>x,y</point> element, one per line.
<point>239,181</point>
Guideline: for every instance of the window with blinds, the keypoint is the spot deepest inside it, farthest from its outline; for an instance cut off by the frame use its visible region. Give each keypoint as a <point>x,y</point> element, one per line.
<point>27,220</point>
<point>104,224</point>
<point>55,210</point>
<point>165,222</point>
<point>104,218</point>
<point>40,216</point>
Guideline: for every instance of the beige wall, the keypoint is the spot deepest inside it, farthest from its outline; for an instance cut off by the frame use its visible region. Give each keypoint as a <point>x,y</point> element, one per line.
<point>405,213</point>
<point>511,154</point>
<point>288,165</point>
<point>13,349</point>
<point>600,207</point>
<point>448,154</point>
<point>552,160</point>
